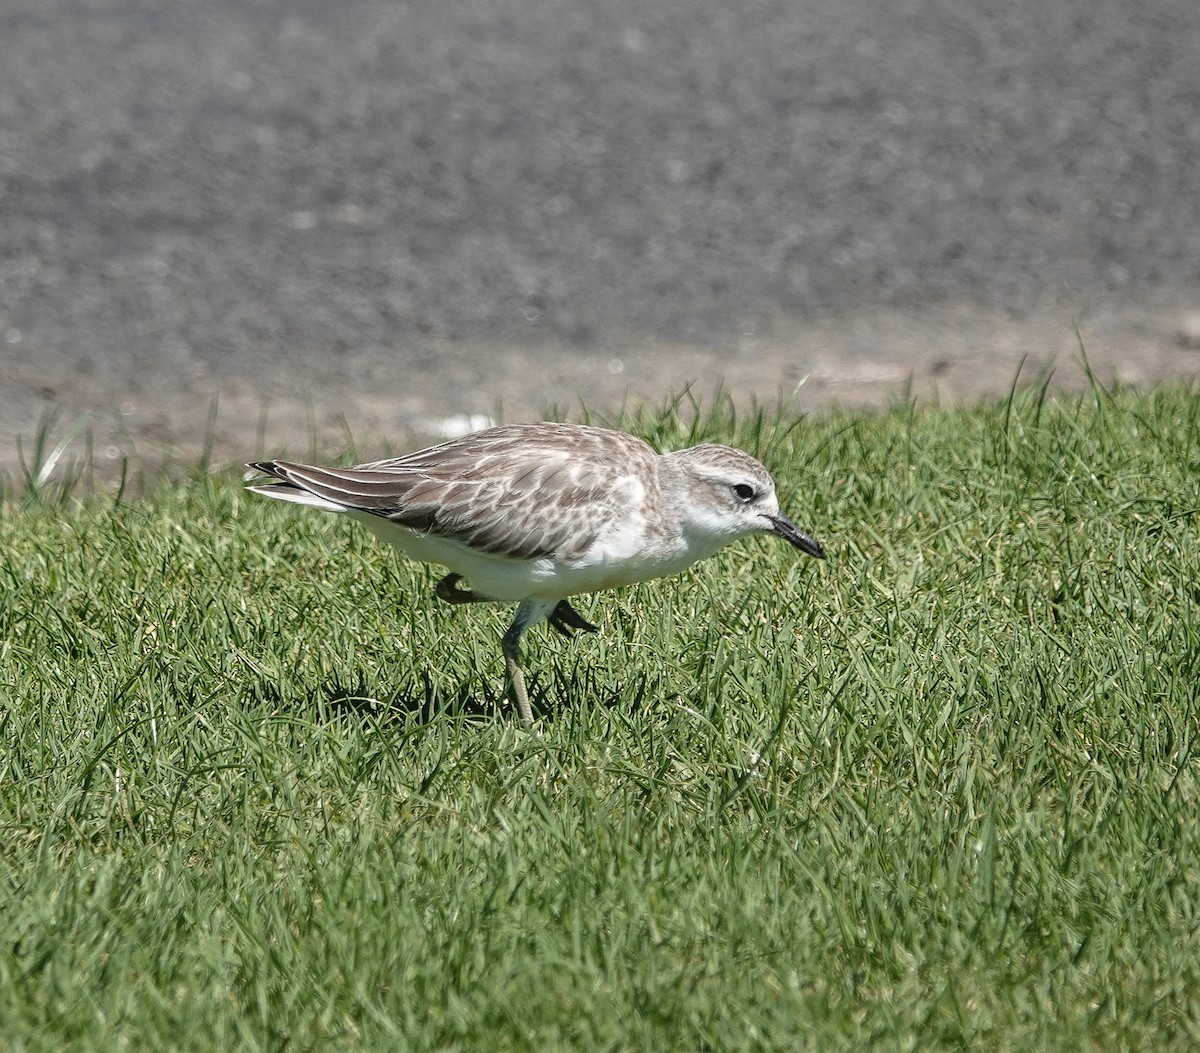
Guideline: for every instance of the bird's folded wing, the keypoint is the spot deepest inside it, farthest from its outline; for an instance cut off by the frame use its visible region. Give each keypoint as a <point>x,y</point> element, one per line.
<point>518,507</point>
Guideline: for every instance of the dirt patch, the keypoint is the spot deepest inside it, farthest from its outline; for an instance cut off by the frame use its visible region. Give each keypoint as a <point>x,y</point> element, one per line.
<point>180,411</point>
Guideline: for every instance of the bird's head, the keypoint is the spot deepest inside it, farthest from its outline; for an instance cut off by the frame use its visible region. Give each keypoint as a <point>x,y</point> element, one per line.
<point>726,494</point>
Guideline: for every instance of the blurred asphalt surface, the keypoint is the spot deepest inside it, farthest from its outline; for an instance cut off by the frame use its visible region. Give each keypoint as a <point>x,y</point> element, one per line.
<point>376,205</point>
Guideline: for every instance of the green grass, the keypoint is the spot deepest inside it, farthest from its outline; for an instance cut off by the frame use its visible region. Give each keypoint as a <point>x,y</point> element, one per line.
<point>938,793</point>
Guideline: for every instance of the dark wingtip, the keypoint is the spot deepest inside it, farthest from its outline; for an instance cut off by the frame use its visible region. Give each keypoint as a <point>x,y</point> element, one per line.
<point>266,467</point>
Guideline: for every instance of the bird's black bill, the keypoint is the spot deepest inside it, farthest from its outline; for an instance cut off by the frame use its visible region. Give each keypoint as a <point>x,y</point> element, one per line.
<point>788,530</point>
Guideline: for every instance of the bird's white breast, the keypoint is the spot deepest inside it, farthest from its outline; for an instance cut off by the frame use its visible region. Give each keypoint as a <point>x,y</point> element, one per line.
<point>624,552</point>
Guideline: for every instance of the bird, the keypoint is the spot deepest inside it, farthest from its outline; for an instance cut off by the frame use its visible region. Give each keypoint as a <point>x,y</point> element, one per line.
<point>537,513</point>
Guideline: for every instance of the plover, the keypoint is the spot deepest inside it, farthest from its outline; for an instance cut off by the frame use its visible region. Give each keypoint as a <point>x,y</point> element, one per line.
<point>535,513</point>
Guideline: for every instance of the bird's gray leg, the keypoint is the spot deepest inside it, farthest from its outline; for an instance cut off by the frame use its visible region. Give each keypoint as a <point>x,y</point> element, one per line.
<point>447,589</point>
<point>530,612</point>
<point>564,618</point>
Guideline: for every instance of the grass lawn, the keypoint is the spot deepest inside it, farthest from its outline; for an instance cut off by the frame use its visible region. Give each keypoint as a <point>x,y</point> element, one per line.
<point>258,790</point>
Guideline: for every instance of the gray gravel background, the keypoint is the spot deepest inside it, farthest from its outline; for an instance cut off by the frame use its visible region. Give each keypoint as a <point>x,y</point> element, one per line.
<point>406,212</point>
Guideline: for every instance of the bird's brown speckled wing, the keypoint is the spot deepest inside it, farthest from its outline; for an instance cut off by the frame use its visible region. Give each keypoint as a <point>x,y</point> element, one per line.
<point>521,491</point>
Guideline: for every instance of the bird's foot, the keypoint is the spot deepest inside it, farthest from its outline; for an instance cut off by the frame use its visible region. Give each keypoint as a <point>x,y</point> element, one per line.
<point>447,589</point>
<point>565,619</point>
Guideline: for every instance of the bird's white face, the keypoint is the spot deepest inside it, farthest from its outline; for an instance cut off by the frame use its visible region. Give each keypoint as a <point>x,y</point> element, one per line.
<point>730,505</point>
<point>729,495</point>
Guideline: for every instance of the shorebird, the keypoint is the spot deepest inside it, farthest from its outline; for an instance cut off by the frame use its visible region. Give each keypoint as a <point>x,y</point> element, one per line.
<point>535,513</point>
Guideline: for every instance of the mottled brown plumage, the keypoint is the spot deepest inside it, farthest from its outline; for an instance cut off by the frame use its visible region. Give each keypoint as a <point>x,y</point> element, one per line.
<point>485,490</point>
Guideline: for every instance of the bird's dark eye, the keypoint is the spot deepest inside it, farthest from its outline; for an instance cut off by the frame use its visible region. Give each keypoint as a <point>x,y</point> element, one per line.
<point>743,491</point>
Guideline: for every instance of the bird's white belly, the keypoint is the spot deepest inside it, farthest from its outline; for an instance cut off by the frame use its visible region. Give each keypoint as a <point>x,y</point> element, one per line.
<point>621,558</point>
